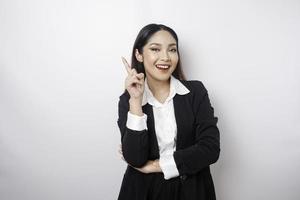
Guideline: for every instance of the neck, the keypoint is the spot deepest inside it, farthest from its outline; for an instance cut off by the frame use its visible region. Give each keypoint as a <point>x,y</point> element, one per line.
<point>159,89</point>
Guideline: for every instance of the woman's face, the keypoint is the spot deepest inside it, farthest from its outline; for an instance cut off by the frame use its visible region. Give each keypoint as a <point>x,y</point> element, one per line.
<point>159,56</point>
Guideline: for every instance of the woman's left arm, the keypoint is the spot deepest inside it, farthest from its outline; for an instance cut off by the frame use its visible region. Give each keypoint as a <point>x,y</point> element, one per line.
<point>206,149</point>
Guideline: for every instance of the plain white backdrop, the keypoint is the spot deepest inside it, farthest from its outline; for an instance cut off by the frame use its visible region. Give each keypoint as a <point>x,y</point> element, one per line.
<point>61,75</point>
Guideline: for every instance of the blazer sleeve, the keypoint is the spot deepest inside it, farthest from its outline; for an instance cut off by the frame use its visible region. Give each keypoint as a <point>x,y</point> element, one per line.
<point>135,144</point>
<point>206,149</point>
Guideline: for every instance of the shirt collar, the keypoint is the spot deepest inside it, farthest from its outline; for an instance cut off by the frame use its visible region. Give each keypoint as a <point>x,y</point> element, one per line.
<point>176,87</point>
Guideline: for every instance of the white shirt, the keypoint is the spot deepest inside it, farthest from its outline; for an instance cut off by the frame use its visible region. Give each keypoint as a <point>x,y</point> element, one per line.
<point>165,125</point>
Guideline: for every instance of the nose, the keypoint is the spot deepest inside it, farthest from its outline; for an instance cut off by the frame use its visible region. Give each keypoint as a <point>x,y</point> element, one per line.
<point>165,55</point>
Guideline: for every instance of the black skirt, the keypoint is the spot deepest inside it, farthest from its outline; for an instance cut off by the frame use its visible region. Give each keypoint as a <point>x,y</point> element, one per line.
<point>140,186</point>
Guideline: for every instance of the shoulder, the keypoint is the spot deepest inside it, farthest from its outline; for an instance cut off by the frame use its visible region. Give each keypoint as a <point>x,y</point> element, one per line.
<point>196,87</point>
<point>198,96</point>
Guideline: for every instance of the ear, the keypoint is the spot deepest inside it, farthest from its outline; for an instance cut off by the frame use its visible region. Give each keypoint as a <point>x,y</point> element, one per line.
<point>138,56</point>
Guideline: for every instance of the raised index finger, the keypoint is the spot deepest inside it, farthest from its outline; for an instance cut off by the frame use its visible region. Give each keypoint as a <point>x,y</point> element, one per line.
<point>127,66</point>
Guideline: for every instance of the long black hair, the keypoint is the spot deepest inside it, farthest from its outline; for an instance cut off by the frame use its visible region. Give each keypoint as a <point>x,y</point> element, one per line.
<point>141,40</point>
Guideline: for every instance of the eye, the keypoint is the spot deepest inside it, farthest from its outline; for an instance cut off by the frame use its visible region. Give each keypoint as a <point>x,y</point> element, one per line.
<point>173,50</point>
<point>154,49</point>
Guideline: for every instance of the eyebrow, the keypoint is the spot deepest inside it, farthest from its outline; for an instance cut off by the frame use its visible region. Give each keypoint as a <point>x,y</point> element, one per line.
<point>160,44</point>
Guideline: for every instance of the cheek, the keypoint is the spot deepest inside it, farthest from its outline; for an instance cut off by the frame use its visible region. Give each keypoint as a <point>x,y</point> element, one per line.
<point>148,63</point>
<point>175,59</point>
<point>152,56</point>
<point>150,59</point>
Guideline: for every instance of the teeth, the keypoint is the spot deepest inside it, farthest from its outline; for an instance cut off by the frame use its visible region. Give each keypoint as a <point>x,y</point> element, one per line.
<point>162,66</point>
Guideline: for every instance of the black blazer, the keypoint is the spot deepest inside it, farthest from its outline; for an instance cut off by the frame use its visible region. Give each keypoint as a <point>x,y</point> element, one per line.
<point>197,144</point>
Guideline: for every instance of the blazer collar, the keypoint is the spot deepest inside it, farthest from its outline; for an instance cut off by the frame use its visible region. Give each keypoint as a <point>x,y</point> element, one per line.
<point>176,87</point>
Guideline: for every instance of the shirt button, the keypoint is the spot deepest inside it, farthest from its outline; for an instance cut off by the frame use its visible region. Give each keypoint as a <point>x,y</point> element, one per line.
<point>183,177</point>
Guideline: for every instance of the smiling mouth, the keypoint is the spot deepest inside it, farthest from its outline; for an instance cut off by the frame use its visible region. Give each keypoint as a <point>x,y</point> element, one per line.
<point>162,66</point>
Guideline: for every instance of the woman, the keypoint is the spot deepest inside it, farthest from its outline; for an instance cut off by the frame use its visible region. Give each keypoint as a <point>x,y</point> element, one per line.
<point>168,129</point>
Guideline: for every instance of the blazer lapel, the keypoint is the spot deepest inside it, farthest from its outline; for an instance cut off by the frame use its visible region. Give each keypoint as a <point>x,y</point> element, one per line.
<point>179,116</point>
<point>184,120</point>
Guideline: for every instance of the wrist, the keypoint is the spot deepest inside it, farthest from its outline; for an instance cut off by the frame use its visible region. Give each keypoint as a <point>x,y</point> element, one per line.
<point>135,106</point>
<point>156,166</point>
<point>135,101</point>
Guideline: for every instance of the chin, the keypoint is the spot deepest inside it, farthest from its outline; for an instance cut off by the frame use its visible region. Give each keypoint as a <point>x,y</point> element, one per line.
<point>159,75</point>
<point>164,77</point>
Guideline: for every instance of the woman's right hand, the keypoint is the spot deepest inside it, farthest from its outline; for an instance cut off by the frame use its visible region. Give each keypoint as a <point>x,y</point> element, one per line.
<point>134,82</point>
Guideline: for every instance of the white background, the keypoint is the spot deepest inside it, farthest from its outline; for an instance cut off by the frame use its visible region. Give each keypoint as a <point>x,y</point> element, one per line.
<point>61,76</point>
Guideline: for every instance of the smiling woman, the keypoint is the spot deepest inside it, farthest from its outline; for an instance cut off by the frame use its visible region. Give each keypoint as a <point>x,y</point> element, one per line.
<point>161,52</point>
<point>169,136</point>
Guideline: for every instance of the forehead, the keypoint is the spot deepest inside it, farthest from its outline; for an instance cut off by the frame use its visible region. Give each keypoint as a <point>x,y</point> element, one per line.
<point>161,37</point>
